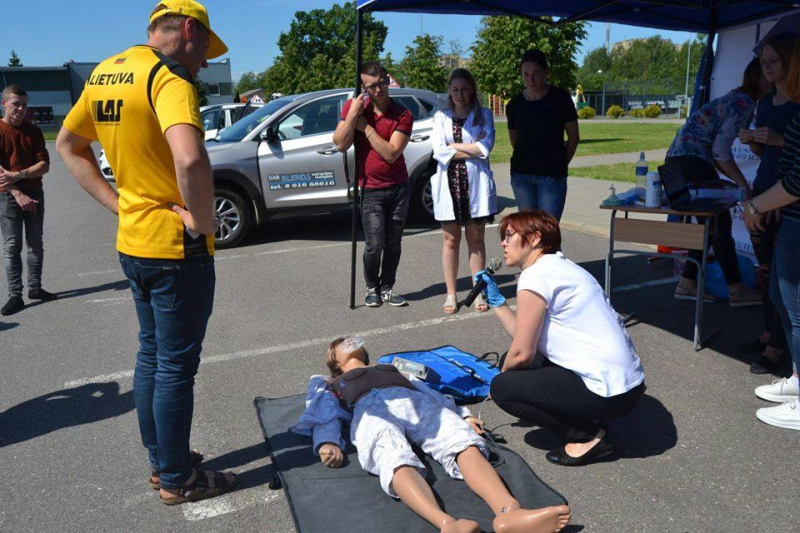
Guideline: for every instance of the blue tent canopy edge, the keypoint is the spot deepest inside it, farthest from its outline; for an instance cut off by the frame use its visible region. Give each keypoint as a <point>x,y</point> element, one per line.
<point>702,16</point>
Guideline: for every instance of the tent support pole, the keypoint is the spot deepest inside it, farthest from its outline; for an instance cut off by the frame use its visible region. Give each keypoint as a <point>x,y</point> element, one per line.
<point>356,169</point>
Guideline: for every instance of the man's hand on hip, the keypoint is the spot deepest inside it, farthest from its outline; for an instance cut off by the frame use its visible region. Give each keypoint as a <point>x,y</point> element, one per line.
<point>207,228</point>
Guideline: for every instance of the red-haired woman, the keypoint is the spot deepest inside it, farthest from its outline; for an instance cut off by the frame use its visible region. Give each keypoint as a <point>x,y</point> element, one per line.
<point>571,365</point>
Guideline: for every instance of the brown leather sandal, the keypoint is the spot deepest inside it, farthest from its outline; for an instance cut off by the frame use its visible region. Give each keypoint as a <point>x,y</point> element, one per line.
<point>202,488</point>
<point>194,456</point>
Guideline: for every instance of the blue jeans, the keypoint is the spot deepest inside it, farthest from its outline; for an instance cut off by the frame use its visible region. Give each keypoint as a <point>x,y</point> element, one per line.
<point>13,221</point>
<point>173,301</point>
<point>548,193</point>
<point>785,285</point>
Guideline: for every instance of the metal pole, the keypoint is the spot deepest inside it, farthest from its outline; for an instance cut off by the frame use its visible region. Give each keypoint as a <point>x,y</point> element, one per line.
<point>356,173</point>
<point>603,110</point>
<point>688,62</point>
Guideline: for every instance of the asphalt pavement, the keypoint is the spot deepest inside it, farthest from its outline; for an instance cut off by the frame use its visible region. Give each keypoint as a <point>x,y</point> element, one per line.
<point>691,457</point>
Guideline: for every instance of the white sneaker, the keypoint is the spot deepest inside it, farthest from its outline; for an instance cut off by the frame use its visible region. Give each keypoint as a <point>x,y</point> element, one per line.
<point>779,391</point>
<point>786,415</point>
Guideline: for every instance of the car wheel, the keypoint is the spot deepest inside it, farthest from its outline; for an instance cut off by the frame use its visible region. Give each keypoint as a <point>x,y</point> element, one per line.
<point>422,200</point>
<point>233,214</point>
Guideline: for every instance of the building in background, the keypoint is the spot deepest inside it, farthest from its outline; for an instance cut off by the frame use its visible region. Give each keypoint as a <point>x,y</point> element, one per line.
<point>54,90</point>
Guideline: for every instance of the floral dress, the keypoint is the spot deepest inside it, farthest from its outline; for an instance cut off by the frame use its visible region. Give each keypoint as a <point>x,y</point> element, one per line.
<point>458,179</point>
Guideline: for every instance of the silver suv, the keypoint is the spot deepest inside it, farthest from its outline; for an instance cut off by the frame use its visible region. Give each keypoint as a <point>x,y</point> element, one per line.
<point>281,160</point>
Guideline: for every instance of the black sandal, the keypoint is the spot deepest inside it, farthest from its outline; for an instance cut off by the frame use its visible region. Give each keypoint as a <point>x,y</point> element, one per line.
<point>202,488</point>
<point>195,457</point>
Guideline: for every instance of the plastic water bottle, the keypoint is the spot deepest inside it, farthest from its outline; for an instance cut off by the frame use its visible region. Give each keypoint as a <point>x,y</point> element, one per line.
<point>653,190</point>
<point>641,177</point>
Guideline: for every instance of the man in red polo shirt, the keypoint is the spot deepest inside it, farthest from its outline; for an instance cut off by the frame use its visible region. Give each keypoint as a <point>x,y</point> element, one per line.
<point>381,127</point>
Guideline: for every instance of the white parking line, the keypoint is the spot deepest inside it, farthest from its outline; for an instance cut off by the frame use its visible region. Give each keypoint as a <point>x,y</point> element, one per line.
<point>109,300</point>
<point>635,286</point>
<point>320,342</point>
<point>229,503</point>
<point>98,273</point>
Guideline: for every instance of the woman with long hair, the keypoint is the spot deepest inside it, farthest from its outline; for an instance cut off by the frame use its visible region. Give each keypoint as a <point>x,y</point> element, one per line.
<point>774,113</point>
<point>463,189</point>
<point>785,276</point>
<point>703,146</point>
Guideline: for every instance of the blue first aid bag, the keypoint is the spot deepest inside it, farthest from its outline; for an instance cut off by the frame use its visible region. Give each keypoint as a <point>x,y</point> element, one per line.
<point>464,376</point>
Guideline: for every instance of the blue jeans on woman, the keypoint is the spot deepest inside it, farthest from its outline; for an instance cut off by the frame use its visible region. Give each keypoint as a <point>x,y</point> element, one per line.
<point>785,285</point>
<point>532,192</point>
<point>173,301</point>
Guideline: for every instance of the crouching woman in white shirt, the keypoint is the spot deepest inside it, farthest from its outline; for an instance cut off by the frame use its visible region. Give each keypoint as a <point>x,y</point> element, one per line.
<point>571,365</point>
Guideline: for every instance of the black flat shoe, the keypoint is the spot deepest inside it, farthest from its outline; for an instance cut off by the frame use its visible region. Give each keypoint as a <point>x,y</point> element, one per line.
<point>561,457</point>
<point>753,346</point>
<point>41,294</point>
<point>765,365</point>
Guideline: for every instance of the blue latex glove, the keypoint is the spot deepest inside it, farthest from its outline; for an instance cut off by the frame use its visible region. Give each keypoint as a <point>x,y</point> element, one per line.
<point>492,292</point>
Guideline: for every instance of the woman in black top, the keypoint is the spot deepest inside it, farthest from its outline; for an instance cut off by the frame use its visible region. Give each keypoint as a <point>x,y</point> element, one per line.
<point>538,117</point>
<point>774,113</point>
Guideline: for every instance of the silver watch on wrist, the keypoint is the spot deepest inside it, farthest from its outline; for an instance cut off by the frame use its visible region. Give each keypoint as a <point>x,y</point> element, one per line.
<point>751,209</point>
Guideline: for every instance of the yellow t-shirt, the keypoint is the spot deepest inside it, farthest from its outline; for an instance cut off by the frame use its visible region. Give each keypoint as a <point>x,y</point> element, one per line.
<point>128,103</point>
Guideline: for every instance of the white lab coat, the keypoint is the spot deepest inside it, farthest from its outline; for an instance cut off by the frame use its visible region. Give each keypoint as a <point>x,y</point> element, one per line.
<point>482,190</point>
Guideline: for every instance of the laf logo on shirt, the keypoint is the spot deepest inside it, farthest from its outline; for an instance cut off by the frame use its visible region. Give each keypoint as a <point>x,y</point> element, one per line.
<point>107,111</point>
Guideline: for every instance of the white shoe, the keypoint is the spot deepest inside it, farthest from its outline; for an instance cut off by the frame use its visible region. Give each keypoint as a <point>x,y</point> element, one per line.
<point>786,415</point>
<point>779,391</point>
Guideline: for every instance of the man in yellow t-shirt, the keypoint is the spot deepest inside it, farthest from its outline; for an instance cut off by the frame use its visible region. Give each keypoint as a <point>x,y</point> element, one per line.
<point>141,105</point>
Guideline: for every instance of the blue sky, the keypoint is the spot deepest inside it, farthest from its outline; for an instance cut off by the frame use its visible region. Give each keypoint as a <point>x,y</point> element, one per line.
<point>98,29</point>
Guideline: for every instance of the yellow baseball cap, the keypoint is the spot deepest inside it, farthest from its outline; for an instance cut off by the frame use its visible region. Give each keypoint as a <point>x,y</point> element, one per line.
<point>195,10</point>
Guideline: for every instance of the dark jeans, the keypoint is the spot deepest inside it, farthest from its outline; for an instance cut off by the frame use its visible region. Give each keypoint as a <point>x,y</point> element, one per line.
<point>13,220</point>
<point>764,249</point>
<point>532,192</point>
<point>383,216</point>
<point>173,301</point>
<point>553,397</point>
<point>785,285</point>
<point>697,171</point>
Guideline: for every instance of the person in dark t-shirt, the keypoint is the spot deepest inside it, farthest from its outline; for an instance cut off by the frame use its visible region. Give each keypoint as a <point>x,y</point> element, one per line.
<point>23,162</point>
<point>538,118</point>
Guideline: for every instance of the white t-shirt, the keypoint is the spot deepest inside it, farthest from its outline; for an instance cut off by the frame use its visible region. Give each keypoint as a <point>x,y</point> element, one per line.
<point>581,331</point>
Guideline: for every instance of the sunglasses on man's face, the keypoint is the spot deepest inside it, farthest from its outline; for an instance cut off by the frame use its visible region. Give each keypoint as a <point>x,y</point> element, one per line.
<point>382,84</point>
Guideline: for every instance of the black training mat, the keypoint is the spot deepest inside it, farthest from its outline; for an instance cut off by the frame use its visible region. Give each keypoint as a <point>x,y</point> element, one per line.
<point>349,499</point>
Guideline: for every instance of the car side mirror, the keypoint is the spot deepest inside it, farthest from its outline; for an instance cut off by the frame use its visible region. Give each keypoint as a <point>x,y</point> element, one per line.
<point>269,135</point>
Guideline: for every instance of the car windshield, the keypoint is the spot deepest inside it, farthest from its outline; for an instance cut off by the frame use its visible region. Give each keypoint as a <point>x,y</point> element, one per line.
<point>240,129</point>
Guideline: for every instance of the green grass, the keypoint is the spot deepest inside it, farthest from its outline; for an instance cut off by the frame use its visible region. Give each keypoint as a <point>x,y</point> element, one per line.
<point>50,135</point>
<point>617,172</point>
<point>602,138</point>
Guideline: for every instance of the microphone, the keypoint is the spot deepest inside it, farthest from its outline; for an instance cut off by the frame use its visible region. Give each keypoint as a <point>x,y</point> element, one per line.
<point>494,265</point>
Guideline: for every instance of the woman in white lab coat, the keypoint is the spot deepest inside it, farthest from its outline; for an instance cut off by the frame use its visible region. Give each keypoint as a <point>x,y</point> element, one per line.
<point>463,189</point>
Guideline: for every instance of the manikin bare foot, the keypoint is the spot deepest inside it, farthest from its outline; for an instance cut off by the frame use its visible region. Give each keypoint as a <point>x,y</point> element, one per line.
<point>547,520</point>
<point>461,526</point>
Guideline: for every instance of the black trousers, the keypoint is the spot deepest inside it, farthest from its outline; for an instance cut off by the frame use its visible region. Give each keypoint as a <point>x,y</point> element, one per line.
<point>764,248</point>
<point>553,397</point>
<point>383,216</point>
<point>697,170</point>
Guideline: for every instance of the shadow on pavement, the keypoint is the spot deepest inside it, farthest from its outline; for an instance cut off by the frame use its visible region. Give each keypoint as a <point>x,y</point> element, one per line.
<point>655,305</point>
<point>63,409</point>
<point>257,476</point>
<point>8,325</point>
<point>507,283</point>
<point>648,431</point>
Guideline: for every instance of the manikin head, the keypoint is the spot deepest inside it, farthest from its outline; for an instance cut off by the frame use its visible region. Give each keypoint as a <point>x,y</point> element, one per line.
<point>527,235</point>
<point>375,82</point>
<point>535,70</point>
<point>344,350</point>
<point>180,29</point>
<point>15,105</point>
